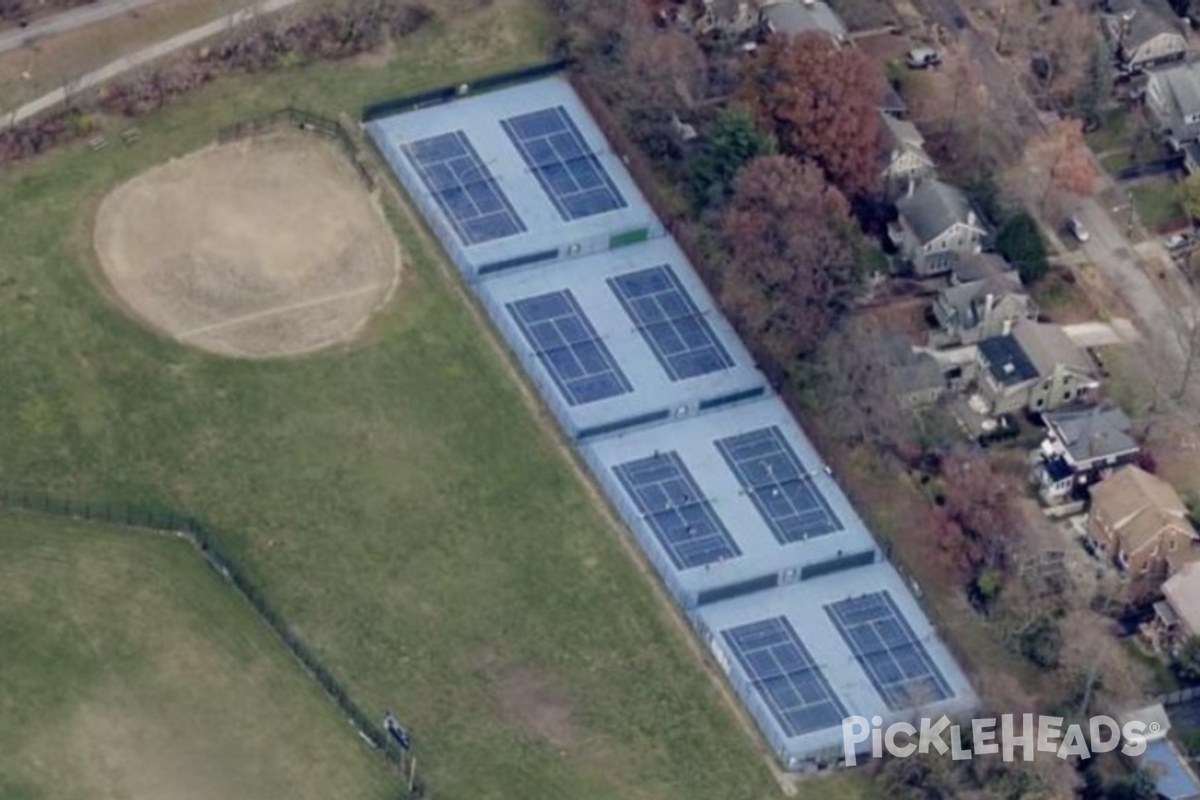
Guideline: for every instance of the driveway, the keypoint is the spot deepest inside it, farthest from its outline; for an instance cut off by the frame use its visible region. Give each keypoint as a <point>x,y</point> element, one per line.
<point>69,21</point>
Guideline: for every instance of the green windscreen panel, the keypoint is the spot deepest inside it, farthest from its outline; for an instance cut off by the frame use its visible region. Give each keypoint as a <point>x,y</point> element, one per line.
<point>628,237</point>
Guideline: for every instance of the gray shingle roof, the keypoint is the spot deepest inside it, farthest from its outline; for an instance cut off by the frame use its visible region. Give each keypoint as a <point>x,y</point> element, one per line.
<point>932,208</point>
<point>1048,347</point>
<point>793,17</point>
<point>1092,433</point>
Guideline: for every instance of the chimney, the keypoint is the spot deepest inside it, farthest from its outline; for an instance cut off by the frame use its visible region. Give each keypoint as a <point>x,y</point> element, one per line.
<point>912,186</point>
<point>988,303</point>
<point>971,218</point>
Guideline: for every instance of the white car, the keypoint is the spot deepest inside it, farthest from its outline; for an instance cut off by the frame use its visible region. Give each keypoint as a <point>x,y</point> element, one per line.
<point>1075,224</point>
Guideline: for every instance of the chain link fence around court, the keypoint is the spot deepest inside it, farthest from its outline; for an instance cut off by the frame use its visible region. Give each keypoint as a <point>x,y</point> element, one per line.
<point>302,120</point>
<point>202,537</point>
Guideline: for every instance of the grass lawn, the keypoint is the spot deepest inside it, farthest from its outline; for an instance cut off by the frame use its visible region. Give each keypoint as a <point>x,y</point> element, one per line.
<point>416,523</point>
<point>130,670</point>
<point>1158,205</point>
<point>1061,299</point>
<point>1116,130</point>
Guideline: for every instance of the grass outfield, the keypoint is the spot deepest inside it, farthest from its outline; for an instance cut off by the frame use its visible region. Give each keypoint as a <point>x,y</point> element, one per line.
<point>130,671</point>
<point>418,526</point>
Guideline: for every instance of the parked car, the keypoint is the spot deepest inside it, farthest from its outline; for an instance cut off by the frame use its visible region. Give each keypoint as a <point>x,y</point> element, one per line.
<point>922,57</point>
<point>1076,226</point>
<point>1177,241</point>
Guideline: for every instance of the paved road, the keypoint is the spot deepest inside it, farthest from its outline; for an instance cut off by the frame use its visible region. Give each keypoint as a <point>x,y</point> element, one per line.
<point>1109,248</point>
<point>69,21</point>
<point>1110,251</point>
<point>1003,88</point>
<point>135,60</point>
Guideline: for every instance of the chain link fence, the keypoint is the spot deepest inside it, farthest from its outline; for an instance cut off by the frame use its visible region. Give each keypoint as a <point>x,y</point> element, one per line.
<point>206,542</point>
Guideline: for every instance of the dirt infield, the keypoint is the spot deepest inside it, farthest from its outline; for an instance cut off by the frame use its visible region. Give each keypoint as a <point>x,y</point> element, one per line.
<point>264,247</point>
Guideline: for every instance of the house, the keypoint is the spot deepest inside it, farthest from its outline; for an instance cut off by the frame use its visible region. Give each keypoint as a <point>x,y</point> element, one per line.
<point>725,17</point>
<point>1034,367</point>
<point>903,154</point>
<point>794,17</point>
<point>977,266</point>
<point>1138,520</point>
<point>971,311</point>
<point>890,101</point>
<point>913,377</point>
<point>1143,33</point>
<point>1081,447</point>
<point>1173,100</point>
<point>936,225</point>
<point>1177,615</point>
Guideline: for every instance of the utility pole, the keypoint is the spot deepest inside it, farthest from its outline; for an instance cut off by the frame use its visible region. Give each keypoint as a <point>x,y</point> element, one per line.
<point>1003,28</point>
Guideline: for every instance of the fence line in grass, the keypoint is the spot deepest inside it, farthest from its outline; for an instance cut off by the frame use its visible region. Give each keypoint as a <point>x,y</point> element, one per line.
<point>305,121</point>
<point>204,540</point>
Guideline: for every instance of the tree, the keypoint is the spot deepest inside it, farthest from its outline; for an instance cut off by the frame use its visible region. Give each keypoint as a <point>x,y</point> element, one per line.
<point>1063,158</point>
<point>1187,660</point>
<point>856,371</point>
<point>1061,43</point>
<point>821,101</point>
<point>793,247</point>
<point>663,75</point>
<point>1020,242</point>
<point>980,527</point>
<point>1181,7</point>
<point>1041,641</point>
<point>1189,195</point>
<point>1097,83</point>
<point>646,74</point>
<point>733,139</point>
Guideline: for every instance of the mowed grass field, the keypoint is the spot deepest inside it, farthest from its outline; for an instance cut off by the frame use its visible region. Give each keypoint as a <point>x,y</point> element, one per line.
<point>129,670</point>
<point>402,502</point>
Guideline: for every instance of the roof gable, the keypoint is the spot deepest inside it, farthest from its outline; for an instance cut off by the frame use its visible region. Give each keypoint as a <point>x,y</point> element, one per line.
<point>1092,433</point>
<point>935,207</point>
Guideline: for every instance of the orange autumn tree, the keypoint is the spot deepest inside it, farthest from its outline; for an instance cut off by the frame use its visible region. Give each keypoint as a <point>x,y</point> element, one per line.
<point>821,102</point>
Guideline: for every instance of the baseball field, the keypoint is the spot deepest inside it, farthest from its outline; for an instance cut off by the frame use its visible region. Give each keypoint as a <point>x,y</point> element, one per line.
<point>397,493</point>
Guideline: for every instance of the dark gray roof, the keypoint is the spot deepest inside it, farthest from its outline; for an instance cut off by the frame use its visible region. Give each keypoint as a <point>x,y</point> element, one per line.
<point>934,207</point>
<point>1092,433</point>
<point>1181,85</point>
<point>1147,19</point>
<point>898,132</point>
<point>1007,361</point>
<point>891,101</point>
<point>978,266</point>
<point>967,300</point>
<point>794,17</point>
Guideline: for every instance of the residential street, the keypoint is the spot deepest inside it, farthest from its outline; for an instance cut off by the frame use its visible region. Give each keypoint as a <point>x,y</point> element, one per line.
<point>1108,248</point>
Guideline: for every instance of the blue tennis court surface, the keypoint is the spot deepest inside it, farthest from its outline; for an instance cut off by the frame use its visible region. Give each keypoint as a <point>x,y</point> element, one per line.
<point>463,188</point>
<point>785,677</point>
<point>889,652</point>
<point>669,321</point>
<point>671,503</point>
<point>553,148</point>
<point>569,348</point>
<point>770,472</point>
